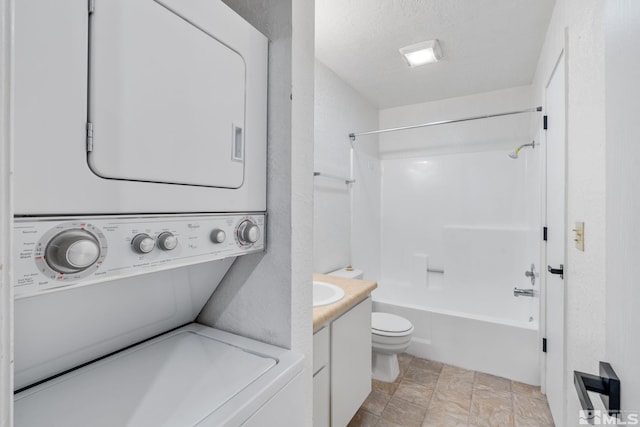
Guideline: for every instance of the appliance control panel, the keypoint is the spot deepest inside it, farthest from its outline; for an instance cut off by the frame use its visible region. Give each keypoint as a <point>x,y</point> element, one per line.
<point>60,252</point>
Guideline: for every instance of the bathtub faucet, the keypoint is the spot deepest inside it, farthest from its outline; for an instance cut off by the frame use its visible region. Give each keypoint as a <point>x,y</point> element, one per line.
<point>517,292</point>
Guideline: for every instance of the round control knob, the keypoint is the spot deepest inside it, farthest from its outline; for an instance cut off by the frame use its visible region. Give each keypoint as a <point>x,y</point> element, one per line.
<point>248,232</point>
<point>167,241</point>
<point>72,251</point>
<point>218,236</point>
<point>142,243</point>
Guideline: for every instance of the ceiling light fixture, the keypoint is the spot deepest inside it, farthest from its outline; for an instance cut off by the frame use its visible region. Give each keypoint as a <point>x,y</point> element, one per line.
<point>422,53</point>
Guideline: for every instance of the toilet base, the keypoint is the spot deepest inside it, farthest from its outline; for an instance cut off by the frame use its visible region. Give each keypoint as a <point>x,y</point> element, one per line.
<point>385,367</point>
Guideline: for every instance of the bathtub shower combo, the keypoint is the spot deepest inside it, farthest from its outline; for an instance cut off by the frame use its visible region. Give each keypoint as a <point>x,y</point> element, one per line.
<point>460,247</point>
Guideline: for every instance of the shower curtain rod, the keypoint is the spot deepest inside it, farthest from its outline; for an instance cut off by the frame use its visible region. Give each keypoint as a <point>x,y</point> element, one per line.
<point>353,136</point>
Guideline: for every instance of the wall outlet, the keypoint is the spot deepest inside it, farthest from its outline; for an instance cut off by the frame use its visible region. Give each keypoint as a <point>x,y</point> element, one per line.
<point>579,236</point>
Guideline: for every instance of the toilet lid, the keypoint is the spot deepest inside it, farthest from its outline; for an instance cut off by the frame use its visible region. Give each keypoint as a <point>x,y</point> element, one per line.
<point>387,323</point>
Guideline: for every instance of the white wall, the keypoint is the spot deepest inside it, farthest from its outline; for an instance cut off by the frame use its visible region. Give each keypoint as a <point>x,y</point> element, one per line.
<point>345,217</point>
<point>366,197</point>
<point>268,296</point>
<point>579,22</point>
<point>6,216</point>
<point>622,30</point>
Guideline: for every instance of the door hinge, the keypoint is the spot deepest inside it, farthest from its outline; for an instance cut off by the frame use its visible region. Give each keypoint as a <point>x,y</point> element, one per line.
<point>89,137</point>
<point>544,122</point>
<point>544,345</point>
<point>544,233</point>
<point>92,6</point>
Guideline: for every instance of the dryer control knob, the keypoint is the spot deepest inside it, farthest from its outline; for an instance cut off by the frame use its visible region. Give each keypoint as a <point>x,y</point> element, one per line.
<point>218,236</point>
<point>142,243</point>
<point>167,241</point>
<point>72,251</point>
<point>248,232</point>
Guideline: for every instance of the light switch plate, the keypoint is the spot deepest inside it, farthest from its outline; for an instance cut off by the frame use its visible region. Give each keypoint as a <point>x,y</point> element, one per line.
<point>579,236</point>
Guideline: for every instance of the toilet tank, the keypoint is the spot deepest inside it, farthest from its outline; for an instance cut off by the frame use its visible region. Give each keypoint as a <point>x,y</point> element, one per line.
<point>348,272</point>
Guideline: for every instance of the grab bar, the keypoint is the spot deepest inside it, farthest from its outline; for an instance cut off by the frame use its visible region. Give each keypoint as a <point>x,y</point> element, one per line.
<point>324,175</point>
<point>435,270</point>
<point>517,292</point>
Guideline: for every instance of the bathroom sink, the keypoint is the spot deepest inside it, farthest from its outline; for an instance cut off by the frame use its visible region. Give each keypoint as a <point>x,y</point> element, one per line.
<point>325,293</point>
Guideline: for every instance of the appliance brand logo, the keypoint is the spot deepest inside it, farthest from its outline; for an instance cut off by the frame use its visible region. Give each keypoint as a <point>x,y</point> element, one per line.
<point>602,418</point>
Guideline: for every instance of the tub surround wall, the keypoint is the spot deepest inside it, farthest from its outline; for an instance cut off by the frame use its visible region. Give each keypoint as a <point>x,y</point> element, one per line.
<point>459,175</point>
<point>342,211</point>
<point>464,214</point>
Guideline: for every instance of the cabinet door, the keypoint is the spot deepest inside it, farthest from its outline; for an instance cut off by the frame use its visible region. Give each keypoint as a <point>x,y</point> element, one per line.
<point>350,362</point>
<point>321,398</point>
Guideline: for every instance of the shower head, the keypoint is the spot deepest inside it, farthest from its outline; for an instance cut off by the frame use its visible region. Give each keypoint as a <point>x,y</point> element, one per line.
<point>514,153</point>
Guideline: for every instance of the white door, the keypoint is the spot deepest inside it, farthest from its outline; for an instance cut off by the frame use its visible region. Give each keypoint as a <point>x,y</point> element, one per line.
<point>166,99</point>
<point>623,199</point>
<point>555,250</point>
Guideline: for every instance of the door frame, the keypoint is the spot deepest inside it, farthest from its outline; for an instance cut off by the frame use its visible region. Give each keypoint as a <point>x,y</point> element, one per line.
<point>561,56</point>
<point>6,212</point>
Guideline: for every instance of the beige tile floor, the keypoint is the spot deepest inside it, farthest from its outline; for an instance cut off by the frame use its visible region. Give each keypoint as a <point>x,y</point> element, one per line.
<point>430,393</point>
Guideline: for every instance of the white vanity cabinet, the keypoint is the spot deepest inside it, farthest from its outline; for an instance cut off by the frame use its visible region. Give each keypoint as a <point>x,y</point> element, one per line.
<point>342,366</point>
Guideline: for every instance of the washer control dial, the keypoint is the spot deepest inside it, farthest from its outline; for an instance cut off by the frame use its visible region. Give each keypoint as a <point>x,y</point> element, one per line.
<point>167,241</point>
<point>72,251</point>
<point>248,232</point>
<point>142,243</point>
<point>218,236</point>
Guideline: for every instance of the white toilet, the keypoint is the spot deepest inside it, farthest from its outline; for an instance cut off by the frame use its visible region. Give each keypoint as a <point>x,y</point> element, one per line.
<point>390,335</point>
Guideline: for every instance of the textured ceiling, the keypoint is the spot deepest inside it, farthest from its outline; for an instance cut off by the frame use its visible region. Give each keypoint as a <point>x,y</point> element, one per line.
<point>487,45</point>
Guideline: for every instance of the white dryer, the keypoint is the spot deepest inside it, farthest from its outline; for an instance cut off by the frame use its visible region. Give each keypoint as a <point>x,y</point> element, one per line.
<point>138,106</point>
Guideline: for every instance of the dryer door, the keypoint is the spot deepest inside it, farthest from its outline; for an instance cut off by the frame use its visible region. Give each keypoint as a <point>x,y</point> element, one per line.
<point>166,98</point>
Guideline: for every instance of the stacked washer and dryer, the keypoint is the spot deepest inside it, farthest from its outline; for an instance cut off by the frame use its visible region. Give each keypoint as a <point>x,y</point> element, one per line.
<point>140,176</point>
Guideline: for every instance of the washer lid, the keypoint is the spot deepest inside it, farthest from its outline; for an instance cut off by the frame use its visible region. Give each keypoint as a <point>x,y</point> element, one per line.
<point>383,323</point>
<point>176,381</point>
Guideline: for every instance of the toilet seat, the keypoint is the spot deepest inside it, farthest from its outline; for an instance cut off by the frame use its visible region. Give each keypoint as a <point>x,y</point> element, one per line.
<point>390,325</point>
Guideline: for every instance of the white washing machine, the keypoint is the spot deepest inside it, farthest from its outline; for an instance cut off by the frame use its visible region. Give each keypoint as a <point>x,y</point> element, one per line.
<point>140,176</point>
<point>194,376</point>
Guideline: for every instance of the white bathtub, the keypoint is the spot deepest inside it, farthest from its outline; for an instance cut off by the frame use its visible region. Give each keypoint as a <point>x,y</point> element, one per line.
<point>479,328</point>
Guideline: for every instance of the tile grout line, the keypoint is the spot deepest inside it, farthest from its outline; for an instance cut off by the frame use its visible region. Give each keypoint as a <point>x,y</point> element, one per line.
<point>513,403</point>
<point>473,383</point>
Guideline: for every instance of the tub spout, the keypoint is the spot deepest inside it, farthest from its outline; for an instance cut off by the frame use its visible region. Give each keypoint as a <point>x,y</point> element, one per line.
<point>517,292</point>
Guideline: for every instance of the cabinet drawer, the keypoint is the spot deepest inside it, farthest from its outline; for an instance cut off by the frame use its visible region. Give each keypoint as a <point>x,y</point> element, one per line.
<point>320,349</point>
